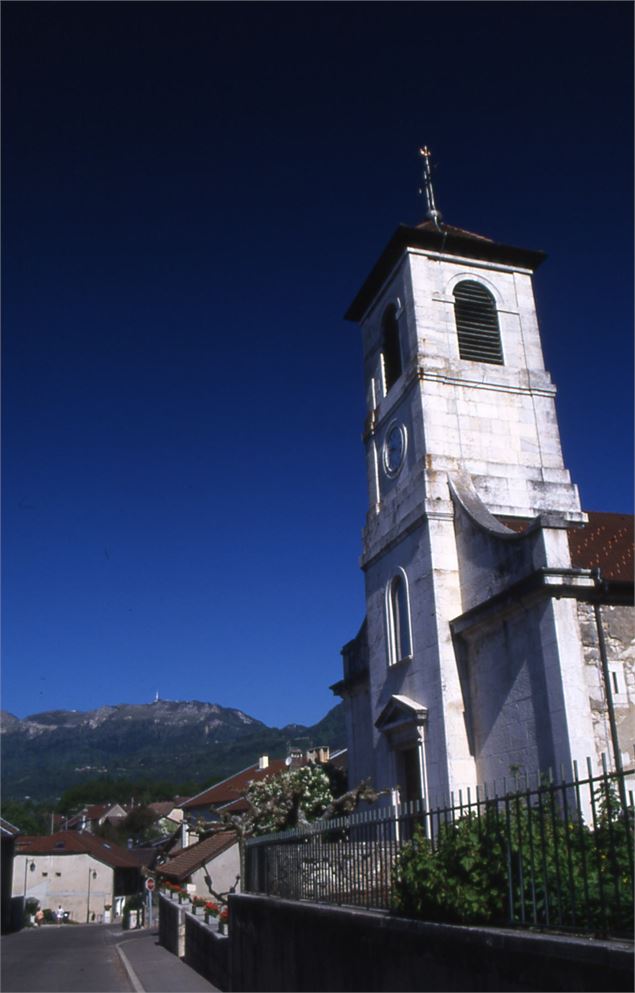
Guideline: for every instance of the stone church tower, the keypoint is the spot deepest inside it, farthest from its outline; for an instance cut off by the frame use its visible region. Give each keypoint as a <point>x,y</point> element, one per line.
<point>469,664</point>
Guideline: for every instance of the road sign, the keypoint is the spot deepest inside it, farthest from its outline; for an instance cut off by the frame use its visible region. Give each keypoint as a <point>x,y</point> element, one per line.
<point>150,884</point>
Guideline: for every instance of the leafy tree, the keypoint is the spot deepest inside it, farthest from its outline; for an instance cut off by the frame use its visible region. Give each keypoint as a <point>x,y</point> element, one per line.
<point>107,789</point>
<point>28,817</point>
<point>140,825</point>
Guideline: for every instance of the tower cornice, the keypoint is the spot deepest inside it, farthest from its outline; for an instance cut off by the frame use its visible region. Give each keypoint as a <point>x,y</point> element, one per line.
<point>450,241</point>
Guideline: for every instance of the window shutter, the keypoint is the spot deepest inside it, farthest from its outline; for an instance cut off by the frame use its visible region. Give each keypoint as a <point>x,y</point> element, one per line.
<point>391,347</point>
<point>477,323</point>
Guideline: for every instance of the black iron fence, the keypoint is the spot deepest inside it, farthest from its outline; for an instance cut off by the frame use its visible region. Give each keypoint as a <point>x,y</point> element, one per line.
<point>555,855</point>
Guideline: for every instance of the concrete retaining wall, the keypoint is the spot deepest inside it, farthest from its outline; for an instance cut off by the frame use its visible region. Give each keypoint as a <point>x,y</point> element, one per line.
<point>172,925</point>
<point>281,945</point>
<point>207,951</point>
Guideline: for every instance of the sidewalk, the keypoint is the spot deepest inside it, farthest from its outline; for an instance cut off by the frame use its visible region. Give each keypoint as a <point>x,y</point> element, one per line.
<point>152,969</point>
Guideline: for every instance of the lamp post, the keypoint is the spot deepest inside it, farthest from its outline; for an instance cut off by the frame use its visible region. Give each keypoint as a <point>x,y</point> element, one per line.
<point>91,874</point>
<point>26,866</point>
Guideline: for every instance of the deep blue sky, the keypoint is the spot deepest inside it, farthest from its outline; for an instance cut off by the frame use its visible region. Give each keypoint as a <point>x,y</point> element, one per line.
<point>193,194</point>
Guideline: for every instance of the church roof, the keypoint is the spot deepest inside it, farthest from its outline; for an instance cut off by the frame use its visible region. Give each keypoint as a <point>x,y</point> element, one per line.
<point>449,229</point>
<point>449,240</point>
<point>605,543</point>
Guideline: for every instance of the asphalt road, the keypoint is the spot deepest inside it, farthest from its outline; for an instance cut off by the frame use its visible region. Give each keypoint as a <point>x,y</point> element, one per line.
<point>80,958</point>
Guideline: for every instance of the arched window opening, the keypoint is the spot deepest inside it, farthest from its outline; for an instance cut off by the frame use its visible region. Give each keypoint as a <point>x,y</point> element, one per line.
<point>477,323</point>
<point>398,610</point>
<point>391,349</point>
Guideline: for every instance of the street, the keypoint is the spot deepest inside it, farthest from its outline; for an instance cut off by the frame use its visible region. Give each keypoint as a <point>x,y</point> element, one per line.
<point>90,958</point>
<point>68,959</point>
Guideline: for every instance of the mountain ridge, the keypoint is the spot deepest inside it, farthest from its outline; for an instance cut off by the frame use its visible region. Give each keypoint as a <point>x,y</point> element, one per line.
<point>47,752</point>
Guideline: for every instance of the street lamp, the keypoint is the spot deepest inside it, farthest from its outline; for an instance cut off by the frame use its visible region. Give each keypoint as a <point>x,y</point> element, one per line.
<point>26,866</point>
<point>91,874</point>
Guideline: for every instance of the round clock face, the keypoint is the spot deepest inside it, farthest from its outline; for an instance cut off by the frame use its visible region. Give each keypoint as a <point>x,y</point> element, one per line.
<point>394,449</point>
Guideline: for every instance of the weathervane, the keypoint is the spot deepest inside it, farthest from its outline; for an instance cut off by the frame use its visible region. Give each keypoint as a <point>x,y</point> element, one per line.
<point>432,212</point>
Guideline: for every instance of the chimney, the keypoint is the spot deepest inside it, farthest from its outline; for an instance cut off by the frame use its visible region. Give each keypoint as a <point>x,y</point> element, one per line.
<point>319,753</point>
<point>263,762</point>
<point>296,758</point>
<point>324,753</point>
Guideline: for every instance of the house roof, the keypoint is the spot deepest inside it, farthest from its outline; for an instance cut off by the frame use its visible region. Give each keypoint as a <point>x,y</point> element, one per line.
<point>8,830</point>
<point>605,543</point>
<point>190,859</point>
<point>78,843</point>
<point>339,759</point>
<point>96,811</point>
<point>449,240</point>
<point>162,807</point>
<point>234,787</point>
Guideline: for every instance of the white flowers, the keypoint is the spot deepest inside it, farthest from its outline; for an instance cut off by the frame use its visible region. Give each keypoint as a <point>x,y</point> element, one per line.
<point>282,801</point>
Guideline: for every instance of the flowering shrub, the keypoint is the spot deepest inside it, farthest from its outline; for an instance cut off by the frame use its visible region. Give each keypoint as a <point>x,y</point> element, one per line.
<point>211,910</point>
<point>287,799</point>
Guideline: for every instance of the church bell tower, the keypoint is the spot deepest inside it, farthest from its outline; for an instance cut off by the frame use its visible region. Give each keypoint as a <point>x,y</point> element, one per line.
<point>468,494</point>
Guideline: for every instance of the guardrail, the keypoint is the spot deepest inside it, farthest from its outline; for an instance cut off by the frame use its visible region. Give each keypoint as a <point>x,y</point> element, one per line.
<point>565,852</point>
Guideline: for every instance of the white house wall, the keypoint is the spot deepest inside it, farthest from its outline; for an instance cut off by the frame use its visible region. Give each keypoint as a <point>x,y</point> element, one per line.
<point>63,879</point>
<point>222,870</point>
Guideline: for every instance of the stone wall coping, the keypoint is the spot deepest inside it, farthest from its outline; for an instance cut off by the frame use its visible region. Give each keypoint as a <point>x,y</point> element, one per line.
<point>576,947</point>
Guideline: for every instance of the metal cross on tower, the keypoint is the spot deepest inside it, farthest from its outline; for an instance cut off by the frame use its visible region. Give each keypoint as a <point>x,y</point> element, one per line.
<point>432,212</point>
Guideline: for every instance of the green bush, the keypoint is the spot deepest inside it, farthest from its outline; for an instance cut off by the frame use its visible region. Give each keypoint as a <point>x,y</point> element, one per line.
<point>461,881</point>
<point>135,902</point>
<point>31,905</point>
<point>522,865</point>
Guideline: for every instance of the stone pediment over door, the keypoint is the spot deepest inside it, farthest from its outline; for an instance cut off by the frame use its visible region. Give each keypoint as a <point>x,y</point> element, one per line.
<point>401,719</point>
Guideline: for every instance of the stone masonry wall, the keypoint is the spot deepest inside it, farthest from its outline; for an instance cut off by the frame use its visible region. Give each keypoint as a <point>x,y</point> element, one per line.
<point>619,632</point>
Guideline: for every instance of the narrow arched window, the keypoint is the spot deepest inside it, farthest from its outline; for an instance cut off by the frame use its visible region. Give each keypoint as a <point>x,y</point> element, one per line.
<point>477,323</point>
<point>391,350</point>
<point>398,618</point>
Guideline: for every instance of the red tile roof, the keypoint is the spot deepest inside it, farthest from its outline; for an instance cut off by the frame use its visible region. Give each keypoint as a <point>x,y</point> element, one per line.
<point>190,859</point>
<point>234,787</point>
<point>162,807</point>
<point>77,843</point>
<point>96,811</point>
<point>605,543</point>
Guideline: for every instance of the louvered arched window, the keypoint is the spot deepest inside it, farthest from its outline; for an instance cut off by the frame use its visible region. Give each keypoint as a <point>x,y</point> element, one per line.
<point>391,349</point>
<point>477,323</point>
<point>398,618</point>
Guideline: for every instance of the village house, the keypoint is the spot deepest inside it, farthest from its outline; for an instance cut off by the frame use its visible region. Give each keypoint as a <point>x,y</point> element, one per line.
<point>8,836</point>
<point>88,877</point>
<point>228,796</point>
<point>215,858</point>
<point>96,815</point>
<point>197,855</point>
